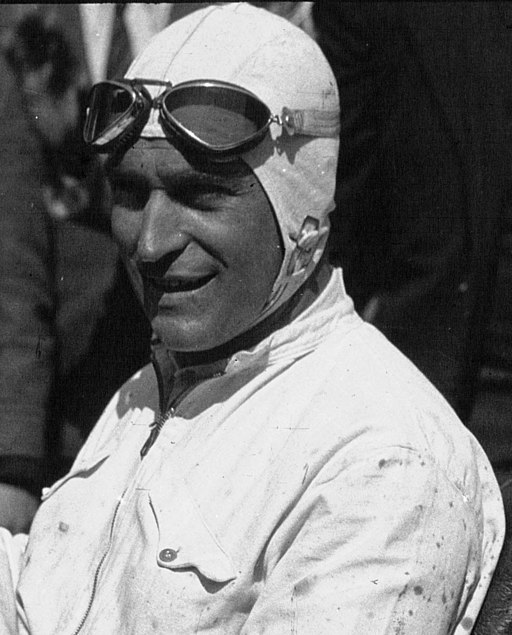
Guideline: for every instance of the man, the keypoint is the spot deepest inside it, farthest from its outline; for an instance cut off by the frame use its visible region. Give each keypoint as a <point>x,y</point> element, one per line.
<point>282,468</point>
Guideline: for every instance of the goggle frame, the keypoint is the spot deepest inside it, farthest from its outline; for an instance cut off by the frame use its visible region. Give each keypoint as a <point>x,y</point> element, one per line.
<point>129,125</point>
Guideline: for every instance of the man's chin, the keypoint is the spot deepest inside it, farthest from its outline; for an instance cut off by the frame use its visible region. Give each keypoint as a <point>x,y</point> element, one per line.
<point>182,338</point>
<point>185,336</point>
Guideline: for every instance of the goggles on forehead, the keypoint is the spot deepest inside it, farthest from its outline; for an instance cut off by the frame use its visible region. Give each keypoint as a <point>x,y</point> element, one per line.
<point>214,117</point>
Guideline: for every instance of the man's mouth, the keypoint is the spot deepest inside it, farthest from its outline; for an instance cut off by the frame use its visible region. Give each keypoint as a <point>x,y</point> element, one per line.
<point>179,284</point>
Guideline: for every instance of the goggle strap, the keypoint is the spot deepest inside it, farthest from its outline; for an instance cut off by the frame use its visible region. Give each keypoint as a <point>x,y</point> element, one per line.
<point>312,123</point>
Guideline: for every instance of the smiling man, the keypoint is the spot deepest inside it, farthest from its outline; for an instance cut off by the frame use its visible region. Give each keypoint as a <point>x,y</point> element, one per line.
<point>280,467</point>
<point>205,270</point>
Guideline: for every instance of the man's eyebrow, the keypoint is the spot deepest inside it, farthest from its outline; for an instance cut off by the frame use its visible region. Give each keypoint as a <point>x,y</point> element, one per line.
<point>186,178</point>
<point>190,178</point>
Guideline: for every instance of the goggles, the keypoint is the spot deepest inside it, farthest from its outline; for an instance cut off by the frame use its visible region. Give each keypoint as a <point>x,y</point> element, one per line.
<point>215,117</point>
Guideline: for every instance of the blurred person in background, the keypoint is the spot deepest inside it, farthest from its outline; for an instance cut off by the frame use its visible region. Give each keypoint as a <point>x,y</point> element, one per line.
<point>71,329</point>
<point>297,13</point>
<point>423,190</point>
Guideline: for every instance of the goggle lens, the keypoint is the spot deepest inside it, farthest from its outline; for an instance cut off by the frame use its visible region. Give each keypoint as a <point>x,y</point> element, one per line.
<point>109,113</point>
<point>218,116</point>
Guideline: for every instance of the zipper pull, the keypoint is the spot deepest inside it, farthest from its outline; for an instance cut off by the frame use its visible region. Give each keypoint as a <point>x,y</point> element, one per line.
<point>156,427</point>
<point>149,441</point>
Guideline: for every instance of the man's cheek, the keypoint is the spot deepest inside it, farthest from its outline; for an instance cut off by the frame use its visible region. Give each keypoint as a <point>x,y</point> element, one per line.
<point>125,230</point>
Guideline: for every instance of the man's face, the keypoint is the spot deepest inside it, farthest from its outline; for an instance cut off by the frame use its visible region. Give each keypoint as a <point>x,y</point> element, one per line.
<point>203,247</point>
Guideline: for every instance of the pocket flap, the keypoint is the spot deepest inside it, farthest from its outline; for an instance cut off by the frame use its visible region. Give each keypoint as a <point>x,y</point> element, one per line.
<point>185,540</point>
<point>80,468</point>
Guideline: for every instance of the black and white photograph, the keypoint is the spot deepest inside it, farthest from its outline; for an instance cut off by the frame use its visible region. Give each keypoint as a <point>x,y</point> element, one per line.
<point>256,318</point>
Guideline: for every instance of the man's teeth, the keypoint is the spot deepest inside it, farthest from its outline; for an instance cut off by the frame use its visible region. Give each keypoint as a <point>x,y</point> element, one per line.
<point>181,285</point>
<point>174,284</point>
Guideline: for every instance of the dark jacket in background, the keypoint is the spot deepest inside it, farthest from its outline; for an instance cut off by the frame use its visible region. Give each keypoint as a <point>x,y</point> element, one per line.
<point>71,330</point>
<point>425,91</point>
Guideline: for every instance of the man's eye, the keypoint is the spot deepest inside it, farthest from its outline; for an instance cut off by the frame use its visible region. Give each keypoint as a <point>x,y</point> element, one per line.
<point>127,195</point>
<point>206,199</point>
<point>210,201</point>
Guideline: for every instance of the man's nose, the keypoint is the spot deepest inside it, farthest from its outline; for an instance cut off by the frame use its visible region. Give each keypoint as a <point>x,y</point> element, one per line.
<point>161,232</point>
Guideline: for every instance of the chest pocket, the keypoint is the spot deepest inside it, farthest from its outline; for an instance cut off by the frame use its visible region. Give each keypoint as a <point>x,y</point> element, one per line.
<point>185,542</point>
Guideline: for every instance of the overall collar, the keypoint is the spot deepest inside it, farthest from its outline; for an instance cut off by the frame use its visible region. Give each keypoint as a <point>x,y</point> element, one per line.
<point>283,346</point>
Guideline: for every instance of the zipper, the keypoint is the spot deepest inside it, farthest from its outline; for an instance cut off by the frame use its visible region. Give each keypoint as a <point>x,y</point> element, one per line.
<point>158,423</point>
<point>156,428</point>
<point>98,569</point>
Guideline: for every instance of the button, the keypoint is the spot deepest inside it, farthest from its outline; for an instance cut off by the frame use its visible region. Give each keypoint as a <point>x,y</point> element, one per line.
<point>168,555</point>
